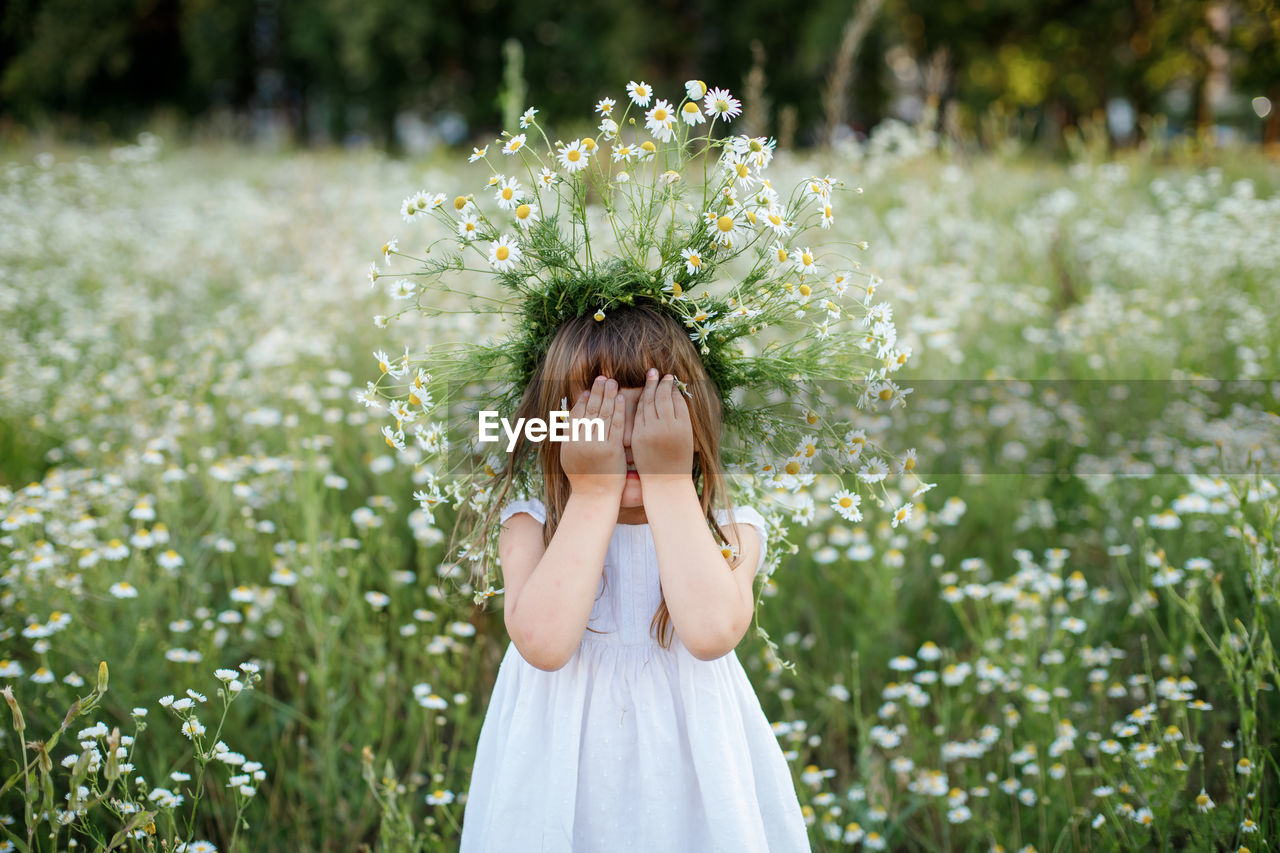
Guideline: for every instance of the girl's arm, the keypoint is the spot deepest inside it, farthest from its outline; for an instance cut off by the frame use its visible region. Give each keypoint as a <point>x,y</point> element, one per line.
<point>549,592</point>
<point>711,604</point>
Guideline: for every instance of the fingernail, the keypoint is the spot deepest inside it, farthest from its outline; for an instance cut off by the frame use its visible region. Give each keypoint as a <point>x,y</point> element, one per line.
<point>653,371</point>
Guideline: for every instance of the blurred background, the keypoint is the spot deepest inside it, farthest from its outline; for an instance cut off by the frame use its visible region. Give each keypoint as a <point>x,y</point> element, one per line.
<point>412,76</point>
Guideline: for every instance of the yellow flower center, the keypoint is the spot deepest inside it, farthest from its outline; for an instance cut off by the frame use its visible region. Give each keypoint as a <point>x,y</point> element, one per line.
<point>691,107</point>
<point>660,115</point>
<point>515,144</point>
<point>826,211</point>
<point>676,289</point>
<point>507,193</point>
<point>742,170</point>
<point>460,202</point>
<point>756,146</point>
<point>695,261</point>
<point>793,467</point>
<point>782,255</point>
<point>642,92</point>
<point>886,393</point>
<point>523,211</point>
<point>648,146</point>
<point>573,156</point>
<point>722,106</point>
<point>806,259</point>
<point>909,464</point>
<point>805,290</point>
<point>503,253</point>
<point>725,223</point>
<point>599,315</point>
<point>588,144</point>
<point>846,502</point>
<point>775,219</point>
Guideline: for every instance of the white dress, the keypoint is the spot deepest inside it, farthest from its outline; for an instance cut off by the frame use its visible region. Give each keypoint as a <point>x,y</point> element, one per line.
<point>629,746</point>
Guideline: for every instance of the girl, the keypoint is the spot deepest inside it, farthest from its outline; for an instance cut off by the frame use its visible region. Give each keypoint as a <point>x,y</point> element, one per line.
<point>621,717</point>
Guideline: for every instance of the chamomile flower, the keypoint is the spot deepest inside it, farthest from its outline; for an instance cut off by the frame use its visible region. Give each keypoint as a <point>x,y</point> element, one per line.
<point>609,128</point>
<point>514,144</point>
<point>572,157</point>
<point>504,253</point>
<point>720,104</point>
<point>776,220</point>
<point>440,797</point>
<point>846,504</point>
<point>478,154</point>
<point>604,106</point>
<point>640,93</point>
<point>696,90</point>
<point>660,120</point>
<point>692,261</point>
<point>527,118</point>
<point>828,216</point>
<point>508,194</point>
<point>469,227</point>
<point>805,262</point>
<point>691,115</point>
<point>548,178</point>
<point>526,214</point>
<point>726,228</point>
<point>623,153</point>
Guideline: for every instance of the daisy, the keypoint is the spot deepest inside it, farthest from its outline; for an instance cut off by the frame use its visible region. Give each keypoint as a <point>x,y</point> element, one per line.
<point>720,104</point>
<point>389,247</point>
<point>646,150</point>
<point>846,504</point>
<point>469,227</point>
<point>827,217</point>
<point>640,93</point>
<point>526,215</point>
<point>439,797</point>
<point>623,153</point>
<point>410,206</point>
<point>508,194</point>
<point>514,144</point>
<point>659,121</point>
<point>780,254</point>
<point>478,154</point>
<point>759,151</point>
<point>609,128</point>
<point>805,262</point>
<point>774,219</point>
<point>691,115</point>
<point>548,178</point>
<point>527,118</point>
<point>572,157</point>
<point>726,228</point>
<point>692,261</point>
<point>504,253</point>
<point>605,106</point>
<point>902,513</point>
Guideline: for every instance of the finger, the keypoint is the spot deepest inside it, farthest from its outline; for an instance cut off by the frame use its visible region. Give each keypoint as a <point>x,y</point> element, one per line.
<point>647,397</point>
<point>619,424</point>
<point>665,405</point>
<point>597,397</point>
<point>681,406</point>
<point>607,402</point>
<point>579,406</point>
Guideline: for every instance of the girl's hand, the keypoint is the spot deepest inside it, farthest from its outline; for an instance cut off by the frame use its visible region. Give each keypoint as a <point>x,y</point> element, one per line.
<point>662,436</point>
<point>597,467</point>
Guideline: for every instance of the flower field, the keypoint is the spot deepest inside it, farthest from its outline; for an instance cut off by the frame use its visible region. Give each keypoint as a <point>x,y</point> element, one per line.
<point>226,622</point>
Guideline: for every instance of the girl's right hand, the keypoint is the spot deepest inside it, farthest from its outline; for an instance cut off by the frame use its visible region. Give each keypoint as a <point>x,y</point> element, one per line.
<point>592,466</point>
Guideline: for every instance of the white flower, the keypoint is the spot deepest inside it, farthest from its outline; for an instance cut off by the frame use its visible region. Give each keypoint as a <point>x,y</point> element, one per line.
<point>659,121</point>
<point>526,214</point>
<point>514,144</point>
<point>527,118</point>
<point>572,157</point>
<point>846,504</point>
<point>477,154</point>
<point>692,261</point>
<point>469,227</point>
<point>439,797</point>
<point>695,89</point>
<point>640,93</point>
<point>504,253</point>
<point>804,261</point>
<point>720,104</point>
<point>605,106</point>
<point>725,227</point>
<point>508,194</point>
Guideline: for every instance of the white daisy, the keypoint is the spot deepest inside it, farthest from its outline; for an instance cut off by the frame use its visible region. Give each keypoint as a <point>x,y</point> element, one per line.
<point>640,93</point>
<point>623,153</point>
<point>477,154</point>
<point>659,121</point>
<point>514,144</point>
<point>504,253</point>
<point>846,504</point>
<point>526,215</point>
<point>469,227</point>
<point>609,128</point>
<point>605,106</point>
<point>508,194</point>
<point>720,104</point>
<point>692,261</point>
<point>776,220</point>
<point>691,115</point>
<point>726,228</point>
<point>804,261</point>
<point>548,178</point>
<point>527,118</point>
<point>695,89</point>
<point>572,157</point>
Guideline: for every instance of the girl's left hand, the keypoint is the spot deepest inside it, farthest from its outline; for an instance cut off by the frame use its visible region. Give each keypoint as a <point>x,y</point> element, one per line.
<point>662,434</point>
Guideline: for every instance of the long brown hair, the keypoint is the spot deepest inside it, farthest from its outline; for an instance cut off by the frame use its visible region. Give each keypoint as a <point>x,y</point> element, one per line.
<point>623,346</point>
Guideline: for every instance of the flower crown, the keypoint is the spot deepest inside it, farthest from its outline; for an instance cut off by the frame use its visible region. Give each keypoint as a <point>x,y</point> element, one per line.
<point>654,205</point>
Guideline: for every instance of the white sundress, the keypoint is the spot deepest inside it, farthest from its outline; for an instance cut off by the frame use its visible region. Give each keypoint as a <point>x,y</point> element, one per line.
<point>629,746</point>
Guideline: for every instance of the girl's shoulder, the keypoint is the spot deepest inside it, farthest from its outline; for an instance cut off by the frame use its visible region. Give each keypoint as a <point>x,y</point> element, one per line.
<point>533,506</point>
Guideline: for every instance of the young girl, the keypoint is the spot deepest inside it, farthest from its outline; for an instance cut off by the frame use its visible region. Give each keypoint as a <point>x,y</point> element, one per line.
<point>621,718</point>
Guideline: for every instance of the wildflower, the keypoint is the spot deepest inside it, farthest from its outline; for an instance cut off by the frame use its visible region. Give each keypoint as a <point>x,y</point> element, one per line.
<point>692,261</point>
<point>548,178</point>
<point>805,263</point>
<point>514,144</point>
<point>846,504</point>
<point>124,589</point>
<point>720,104</point>
<point>527,118</point>
<point>478,154</point>
<point>726,229</point>
<point>572,157</point>
<point>440,797</point>
<point>691,115</point>
<point>776,221</point>
<point>696,90</point>
<point>1244,767</point>
<point>659,121</point>
<point>623,153</point>
<point>468,227</point>
<point>526,215</point>
<point>508,194</point>
<point>1204,802</point>
<point>599,315</point>
<point>640,93</point>
<point>504,253</point>
<point>605,106</point>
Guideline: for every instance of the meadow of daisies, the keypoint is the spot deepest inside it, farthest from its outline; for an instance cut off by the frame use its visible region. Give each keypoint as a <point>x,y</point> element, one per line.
<point>223,621</point>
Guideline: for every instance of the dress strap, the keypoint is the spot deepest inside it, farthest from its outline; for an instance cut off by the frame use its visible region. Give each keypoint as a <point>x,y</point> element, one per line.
<point>533,506</point>
<point>751,516</point>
